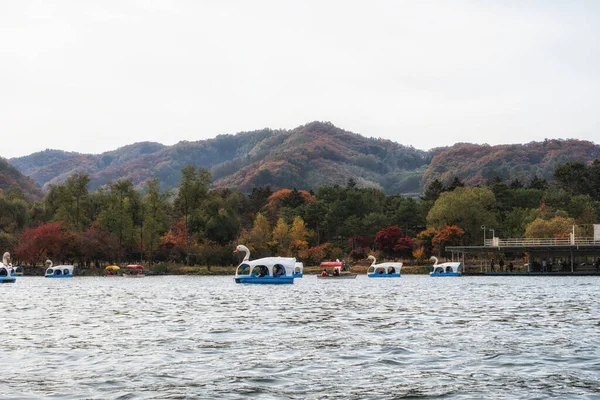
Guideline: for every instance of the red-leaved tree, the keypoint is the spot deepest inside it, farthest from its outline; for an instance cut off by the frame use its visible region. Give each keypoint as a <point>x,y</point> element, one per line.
<point>405,246</point>
<point>50,240</point>
<point>96,244</point>
<point>387,238</point>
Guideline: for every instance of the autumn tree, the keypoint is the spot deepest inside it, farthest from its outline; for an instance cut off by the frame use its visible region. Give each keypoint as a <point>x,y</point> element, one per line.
<point>96,244</point>
<point>404,246</point>
<point>298,236</point>
<point>281,238</point>
<point>556,227</point>
<point>425,239</point>
<point>387,239</point>
<point>259,236</point>
<point>468,208</point>
<point>448,236</point>
<point>45,241</point>
<point>176,242</point>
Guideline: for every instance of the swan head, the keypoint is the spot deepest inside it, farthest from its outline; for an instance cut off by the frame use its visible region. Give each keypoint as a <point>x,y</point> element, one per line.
<point>6,258</point>
<point>434,259</point>
<point>373,259</point>
<point>49,263</point>
<point>241,247</point>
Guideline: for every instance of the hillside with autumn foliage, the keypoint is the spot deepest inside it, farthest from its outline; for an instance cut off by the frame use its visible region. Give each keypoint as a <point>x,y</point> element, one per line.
<point>12,178</point>
<point>478,164</point>
<point>308,157</point>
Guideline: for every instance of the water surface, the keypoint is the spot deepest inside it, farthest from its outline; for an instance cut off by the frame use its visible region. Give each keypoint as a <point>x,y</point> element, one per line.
<point>206,337</point>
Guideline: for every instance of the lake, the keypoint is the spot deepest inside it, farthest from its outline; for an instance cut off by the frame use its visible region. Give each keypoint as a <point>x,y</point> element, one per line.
<point>176,337</point>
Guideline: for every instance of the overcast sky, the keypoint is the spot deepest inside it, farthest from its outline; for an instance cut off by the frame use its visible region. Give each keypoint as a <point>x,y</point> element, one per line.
<point>92,76</point>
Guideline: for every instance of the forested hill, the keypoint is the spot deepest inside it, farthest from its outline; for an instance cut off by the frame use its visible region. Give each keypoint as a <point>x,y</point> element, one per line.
<point>10,177</point>
<point>477,164</point>
<point>308,157</point>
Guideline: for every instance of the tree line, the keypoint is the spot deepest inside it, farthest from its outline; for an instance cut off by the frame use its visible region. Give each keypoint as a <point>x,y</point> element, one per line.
<point>195,225</point>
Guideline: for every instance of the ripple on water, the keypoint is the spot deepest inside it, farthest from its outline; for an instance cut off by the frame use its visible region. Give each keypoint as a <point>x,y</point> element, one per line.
<point>413,337</point>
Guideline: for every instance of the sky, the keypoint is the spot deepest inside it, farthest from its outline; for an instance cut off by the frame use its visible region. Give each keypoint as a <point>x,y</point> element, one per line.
<point>92,76</point>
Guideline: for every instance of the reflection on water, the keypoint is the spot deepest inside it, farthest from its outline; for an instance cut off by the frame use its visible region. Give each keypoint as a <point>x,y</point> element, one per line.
<point>206,337</point>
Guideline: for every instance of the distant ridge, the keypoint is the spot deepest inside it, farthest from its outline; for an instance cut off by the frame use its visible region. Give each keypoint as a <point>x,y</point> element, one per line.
<point>308,157</point>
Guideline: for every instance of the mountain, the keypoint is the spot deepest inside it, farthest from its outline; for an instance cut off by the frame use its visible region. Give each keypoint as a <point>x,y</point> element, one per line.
<point>477,164</point>
<point>308,157</point>
<point>305,158</point>
<point>10,177</point>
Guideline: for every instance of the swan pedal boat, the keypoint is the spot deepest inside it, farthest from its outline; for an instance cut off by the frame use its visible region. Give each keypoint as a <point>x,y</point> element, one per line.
<point>6,270</point>
<point>268,270</point>
<point>383,270</point>
<point>338,271</point>
<point>59,271</point>
<point>446,269</point>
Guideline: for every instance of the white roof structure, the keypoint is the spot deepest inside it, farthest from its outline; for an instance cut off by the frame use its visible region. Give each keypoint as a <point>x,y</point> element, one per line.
<point>452,266</point>
<point>383,266</point>
<point>62,268</point>
<point>289,264</point>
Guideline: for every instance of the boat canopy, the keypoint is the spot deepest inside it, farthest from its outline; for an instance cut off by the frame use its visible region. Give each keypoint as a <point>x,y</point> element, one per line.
<point>332,264</point>
<point>385,268</point>
<point>60,270</point>
<point>447,267</point>
<point>112,267</point>
<point>268,265</point>
<point>135,266</point>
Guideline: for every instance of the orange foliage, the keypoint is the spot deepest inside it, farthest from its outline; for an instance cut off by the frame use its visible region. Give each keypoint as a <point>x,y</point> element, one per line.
<point>283,194</point>
<point>419,254</point>
<point>175,237</point>
<point>449,235</point>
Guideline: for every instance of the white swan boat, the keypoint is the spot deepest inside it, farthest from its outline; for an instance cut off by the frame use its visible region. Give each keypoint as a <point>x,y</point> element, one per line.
<point>59,271</point>
<point>446,269</point>
<point>6,270</point>
<point>268,270</point>
<point>383,270</point>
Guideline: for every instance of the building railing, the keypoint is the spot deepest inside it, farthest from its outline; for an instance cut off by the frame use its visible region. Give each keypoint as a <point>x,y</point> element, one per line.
<point>520,242</point>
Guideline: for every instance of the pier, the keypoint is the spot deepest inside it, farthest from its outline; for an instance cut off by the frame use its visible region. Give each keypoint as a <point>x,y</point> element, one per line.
<point>562,256</point>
